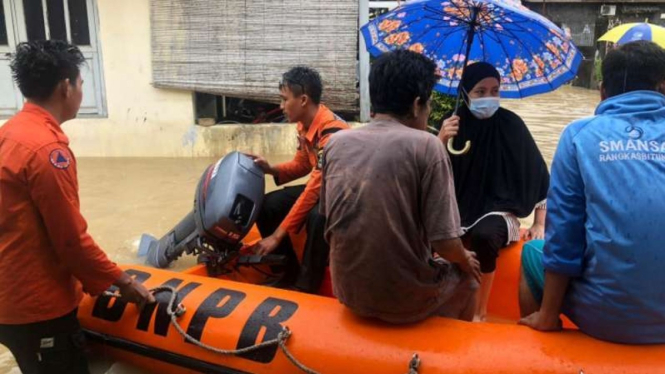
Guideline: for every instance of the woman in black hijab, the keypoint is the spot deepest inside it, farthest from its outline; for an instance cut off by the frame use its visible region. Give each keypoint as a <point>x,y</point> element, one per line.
<point>502,178</point>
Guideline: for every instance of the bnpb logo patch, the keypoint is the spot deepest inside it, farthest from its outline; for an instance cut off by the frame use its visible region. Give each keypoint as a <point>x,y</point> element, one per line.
<point>59,159</point>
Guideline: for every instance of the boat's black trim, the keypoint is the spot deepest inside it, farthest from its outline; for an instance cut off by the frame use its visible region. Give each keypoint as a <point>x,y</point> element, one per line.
<point>161,355</point>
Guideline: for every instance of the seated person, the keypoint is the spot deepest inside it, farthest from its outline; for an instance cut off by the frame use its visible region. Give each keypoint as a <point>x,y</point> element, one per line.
<point>389,202</point>
<point>603,259</point>
<point>288,210</point>
<point>501,178</point>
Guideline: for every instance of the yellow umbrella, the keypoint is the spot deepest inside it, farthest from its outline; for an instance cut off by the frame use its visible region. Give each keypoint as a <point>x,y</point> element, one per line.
<point>631,32</point>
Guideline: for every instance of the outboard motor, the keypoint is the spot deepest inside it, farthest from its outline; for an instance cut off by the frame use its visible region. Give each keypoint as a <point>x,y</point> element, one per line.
<point>226,205</point>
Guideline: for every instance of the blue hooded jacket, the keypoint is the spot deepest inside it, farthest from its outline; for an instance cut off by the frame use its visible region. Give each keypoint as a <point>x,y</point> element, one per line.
<point>606,219</point>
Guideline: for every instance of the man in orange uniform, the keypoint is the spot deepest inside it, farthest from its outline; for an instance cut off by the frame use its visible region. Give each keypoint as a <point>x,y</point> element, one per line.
<point>286,211</point>
<point>47,258</point>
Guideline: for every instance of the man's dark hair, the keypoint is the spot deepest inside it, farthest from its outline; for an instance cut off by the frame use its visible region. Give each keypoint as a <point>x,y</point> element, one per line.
<point>397,78</point>
<point>633,66</point>
<point>38,67</point>
<point>303,80</point>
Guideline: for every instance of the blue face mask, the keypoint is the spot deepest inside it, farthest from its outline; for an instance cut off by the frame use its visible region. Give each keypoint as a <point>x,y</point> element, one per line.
<point>484,107</point>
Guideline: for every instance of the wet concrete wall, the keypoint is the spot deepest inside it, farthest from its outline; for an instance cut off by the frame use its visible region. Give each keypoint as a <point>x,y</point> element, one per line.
<point>144,121</point>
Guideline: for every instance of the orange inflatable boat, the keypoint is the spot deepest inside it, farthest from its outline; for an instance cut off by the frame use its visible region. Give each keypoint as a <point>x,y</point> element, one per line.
<point>326,338</point>
<point>229,324</point>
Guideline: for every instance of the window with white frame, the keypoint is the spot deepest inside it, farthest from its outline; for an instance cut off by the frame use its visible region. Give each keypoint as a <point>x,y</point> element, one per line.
<point>72,20</point>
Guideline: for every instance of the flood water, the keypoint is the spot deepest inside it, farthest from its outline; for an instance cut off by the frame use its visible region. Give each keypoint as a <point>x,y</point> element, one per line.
<point>547,115</point>
<point>124,197</point>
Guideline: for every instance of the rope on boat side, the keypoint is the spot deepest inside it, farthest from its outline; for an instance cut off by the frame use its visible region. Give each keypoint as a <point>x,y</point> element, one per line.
<point>176,311</point>
<point>414,364</point>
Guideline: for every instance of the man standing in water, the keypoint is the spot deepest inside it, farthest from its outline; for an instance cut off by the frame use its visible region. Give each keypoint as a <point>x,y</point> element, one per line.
<point>286,211</point>
<point>47,258</point>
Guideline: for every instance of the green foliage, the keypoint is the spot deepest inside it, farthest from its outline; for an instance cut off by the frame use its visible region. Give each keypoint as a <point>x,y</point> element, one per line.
<point>442,105</point>
<point>597,71</point>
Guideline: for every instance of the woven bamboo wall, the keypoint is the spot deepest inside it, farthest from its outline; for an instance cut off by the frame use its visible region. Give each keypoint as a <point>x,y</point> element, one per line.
<point>242,47</point>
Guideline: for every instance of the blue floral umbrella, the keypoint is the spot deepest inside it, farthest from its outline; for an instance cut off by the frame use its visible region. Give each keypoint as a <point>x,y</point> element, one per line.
<point>532,54</point>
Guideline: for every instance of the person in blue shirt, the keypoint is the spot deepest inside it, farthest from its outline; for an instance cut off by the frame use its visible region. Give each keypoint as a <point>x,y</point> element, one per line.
<point>603,259</point>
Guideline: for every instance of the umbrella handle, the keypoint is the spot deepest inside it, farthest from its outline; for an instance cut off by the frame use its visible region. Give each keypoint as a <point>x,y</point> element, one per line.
<point>469,42</point>
<point>452,150</point>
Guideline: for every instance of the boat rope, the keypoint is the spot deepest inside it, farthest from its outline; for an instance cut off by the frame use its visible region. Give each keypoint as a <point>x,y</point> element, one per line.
<point>174,311</point>
<point>414,364</point>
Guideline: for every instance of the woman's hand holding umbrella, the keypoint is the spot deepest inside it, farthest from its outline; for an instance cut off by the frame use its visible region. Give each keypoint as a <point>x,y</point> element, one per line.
<point>449,131</point>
